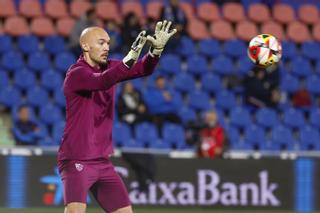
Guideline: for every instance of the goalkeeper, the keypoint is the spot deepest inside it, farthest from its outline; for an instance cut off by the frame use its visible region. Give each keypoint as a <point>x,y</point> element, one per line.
<point>89,87</point>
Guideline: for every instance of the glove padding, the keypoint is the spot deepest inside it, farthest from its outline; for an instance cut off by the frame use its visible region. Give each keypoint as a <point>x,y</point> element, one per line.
<point>160,37</point>
<point>133,55</point>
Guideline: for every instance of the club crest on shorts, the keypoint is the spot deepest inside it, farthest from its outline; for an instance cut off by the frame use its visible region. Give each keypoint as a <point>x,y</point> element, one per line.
<point>79,166</point>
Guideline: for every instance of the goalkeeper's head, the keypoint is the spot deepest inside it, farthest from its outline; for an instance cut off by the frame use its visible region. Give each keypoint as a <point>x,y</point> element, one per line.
<point>94,42</point>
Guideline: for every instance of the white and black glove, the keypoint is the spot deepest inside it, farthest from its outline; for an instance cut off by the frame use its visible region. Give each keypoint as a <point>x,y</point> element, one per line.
<point>133,55</point>
<point>161,36</point>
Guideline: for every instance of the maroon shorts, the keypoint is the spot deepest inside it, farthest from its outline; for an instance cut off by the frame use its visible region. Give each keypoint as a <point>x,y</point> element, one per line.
<point>98,176</point>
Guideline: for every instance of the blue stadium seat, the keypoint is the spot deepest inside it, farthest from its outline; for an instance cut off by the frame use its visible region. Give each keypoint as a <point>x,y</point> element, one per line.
<point>314,117</point>
<point>225,100</point>
<point>63,61</point>
<point>4,79</point>
<point>24,79</point>
<point>282,138</point>
<point>233,135</point>
<point>146,133</point>
<point>317,68</point>
<point>289,50</point>
<point>5,43</point>
<point>234,48</point>
<point>160,144</point>
<point>244,65</point>
<point>223,65</point>
<point>10,96</point>
<point>138,83</point>
<point>170,64</point>
<point>267,118</point>
<point>184,82</point>
<point>211,83</point>
<point>37,96</point>
<point>197,65</point>
<point>255,136</point>
<point>310,50</point>
<point>293,118</point>
<point>50,114</point>
<point>313,84</point>
<point>209,47</point>
<point>121,133</point>
<point>12,56</point>
<point>186,47</point>
<point>28,44</point>
<point>289,83</point>
<point>51,79</point>
<point>116,56</point>
<point>240,117</point>
<point>301,67</point>
<point>54,44</point>
<point>187,114</point>
<point>57,131</point>
<point>39,61</point>
<point>59,98</point>
<point>199,100</point>
<point>174,135</point>
<point>309,138</point>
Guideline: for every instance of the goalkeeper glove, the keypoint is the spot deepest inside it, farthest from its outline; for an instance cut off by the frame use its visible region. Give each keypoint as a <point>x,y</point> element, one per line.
<point>133,55</point>
<point>160,37</point>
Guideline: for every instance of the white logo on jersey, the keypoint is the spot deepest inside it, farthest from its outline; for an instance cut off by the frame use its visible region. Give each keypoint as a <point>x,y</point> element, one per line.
<point>78,166</point>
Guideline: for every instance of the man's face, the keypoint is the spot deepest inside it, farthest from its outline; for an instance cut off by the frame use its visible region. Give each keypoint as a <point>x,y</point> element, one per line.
<point>98,46</point>
<point>24,114</point>
<point>211,118</point>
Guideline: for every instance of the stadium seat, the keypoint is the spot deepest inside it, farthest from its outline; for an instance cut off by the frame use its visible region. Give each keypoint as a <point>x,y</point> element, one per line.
<point>5,43</point>
<point>54,44</point>
<point>221,30</point>
<point>197,29</point>
<point>240,117</point>
<point>65,26</point>
<point>208,11</point>
<point>199,100</point>
<point>233,12</point>
<point>289,50</point>
<point>160,144</point>
<point>79,8</point>
<point>309,138</point>
<point>301,67</point>
<point>55,9</point>
<point>4,79</point>
<point>121,133</point>
<point>184,82</point>
<point>314,118</point>
<point>289,83</point>
<point>311,50</point>
<point>308,14</point>
<point>51,79</point>
<point>255,136</point>
<point>63,61</point>
<point>245,65</point>
<point>223,65</point>
<point>187,114</point>
<point>259,13</point>
<point>283,13</point>
<point>24,79</point>
<point>209,47</point>
<point>10,96</point>
<point>7,8</point>
<point>170,64</point>
<point>313,84</point>
<point>174,135</point>
<point>57,131</point>
<point>16,26</point>
<point>107,10</point>
<point>281,138</point>
<point>211,83</point>
<point>187,47</point>
<point>298,32</point>
<point>234,48</point>
<point>267,118</point>
<point>50,114</point>
<point>293,118</point>
<point>42,26</point>
<point>132,7</point>
<point>30,8</point>
<point>28,44</point>
<point>146,133</point>
<point>12,56</point>
<point>59,98</point>
<point>188,9</point>
<point>153,9</point>
<point>39,61</point>
<point>246,30</point>
<point>37,96</point>
<point>197,65</point>
<point>273,28</point>
<point>316,31</point>
<point>225,100</point>
<point>233,135</point>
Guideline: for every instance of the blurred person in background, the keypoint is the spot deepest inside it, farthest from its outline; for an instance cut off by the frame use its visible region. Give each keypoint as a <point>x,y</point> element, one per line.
<point>115,36</point>
<point>208,135</point>
<point>25,130</point>
<point>129,29</point>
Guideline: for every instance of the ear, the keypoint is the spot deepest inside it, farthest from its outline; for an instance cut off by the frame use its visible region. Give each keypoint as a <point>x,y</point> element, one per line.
<point>85,47</point>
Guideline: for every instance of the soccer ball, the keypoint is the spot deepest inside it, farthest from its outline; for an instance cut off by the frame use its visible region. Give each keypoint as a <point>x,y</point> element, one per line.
<point>264,50</point>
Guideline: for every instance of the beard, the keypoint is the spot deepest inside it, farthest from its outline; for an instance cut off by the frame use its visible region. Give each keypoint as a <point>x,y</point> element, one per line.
<point>101,63</point>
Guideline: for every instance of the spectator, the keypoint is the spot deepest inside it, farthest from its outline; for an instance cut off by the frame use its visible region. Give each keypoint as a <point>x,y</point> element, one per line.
<point>163,103</point>
<point>208,135</point>
<point>89,19</point>
<point>261,88</point>
<point>114,34</point>
<point>130,105</point>
<point>26,131</point>
<point>129,30</point>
